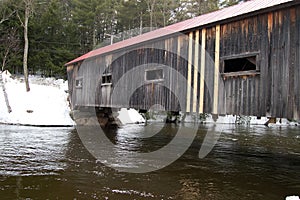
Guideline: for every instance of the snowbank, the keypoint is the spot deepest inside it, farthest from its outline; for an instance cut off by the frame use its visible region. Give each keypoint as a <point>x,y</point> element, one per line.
<point>160,116</point>
<point>292,198</point>
<point>45,105</point>
<point>130,116</point>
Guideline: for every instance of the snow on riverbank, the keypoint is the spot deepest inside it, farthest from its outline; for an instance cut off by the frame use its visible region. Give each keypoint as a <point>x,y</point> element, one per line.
<point>129,116</point>
<point>45,105</point>
<point>292,198</point>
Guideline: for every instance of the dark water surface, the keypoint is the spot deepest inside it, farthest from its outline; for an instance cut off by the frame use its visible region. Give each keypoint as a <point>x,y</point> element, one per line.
<point>247,163</point>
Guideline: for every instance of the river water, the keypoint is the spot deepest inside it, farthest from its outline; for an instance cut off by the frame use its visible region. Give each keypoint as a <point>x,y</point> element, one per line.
<point>254,162</point>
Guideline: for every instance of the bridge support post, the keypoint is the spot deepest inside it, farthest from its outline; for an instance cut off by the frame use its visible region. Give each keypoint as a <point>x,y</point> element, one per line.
<point>271,120</point>
<point>90,116</point>
<point>172,117</point>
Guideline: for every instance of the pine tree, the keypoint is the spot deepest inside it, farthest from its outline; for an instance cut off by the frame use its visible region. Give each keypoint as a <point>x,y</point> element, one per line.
<point>226,3</point>
<point>193,8</point>
<point>53,39</point>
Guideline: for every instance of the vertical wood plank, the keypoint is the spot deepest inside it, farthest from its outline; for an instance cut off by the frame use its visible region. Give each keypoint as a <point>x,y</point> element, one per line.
<point>202,70</point>
<point>216,75</point>
<point>196,71</point>
<point>296,70</point>
<point>178,65</point>
<point>270,25</point>
<point>189,75</point>
<point>291,63</point>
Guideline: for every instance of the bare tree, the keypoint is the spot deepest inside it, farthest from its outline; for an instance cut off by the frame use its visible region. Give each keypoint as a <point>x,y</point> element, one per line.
<point>11,44</point>
<point>9,110</point>
<point>151,5</point>
<point>10,41</point>
<point>28,8</point>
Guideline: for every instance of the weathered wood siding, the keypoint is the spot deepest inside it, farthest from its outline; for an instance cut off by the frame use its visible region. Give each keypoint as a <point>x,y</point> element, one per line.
<point>152,56</point>
<point>275,90</point>
<point>272,90</point>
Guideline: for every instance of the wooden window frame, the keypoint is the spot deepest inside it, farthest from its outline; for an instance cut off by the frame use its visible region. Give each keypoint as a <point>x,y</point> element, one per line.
<point>79,80</point>
<point>240,73</point>
<point>106,83</point>
<point>155,80</point>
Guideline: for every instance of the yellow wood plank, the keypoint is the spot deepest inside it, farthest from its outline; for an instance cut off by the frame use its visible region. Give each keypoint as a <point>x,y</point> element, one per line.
<point>196,71</point>
<point>216,76</point>
<point>202,71</point>
<point>189,81</point>
<point>178,51</point>
<point>270,25</point>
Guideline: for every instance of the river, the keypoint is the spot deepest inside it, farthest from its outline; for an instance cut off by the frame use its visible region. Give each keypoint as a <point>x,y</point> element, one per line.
<point>248,163</point>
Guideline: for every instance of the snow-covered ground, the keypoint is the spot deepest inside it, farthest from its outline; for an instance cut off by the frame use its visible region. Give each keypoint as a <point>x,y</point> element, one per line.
<point>130,116</point>
<point>46,104</point>
<point>292,198</point>
<point>160,116</point>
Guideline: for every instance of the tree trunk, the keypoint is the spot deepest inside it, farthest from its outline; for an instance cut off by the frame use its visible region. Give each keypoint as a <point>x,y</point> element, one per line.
<point>26,45</point>
<point>9,110</point>
<point>151,12</point>
<point>94,35</point>
<point>151,20</point>
<point>4,59</point>
<point>141,24</point>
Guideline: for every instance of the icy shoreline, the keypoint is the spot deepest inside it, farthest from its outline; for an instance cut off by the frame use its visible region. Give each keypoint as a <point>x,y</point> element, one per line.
<point>45,105</point>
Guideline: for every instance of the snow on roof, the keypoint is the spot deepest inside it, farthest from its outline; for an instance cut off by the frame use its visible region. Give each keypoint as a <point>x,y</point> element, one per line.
<point>206,19</point>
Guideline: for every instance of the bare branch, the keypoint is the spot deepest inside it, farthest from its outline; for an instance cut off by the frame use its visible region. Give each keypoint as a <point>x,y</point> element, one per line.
<point>21,21</point>
<point>5,18</point>
<point>11,44</point>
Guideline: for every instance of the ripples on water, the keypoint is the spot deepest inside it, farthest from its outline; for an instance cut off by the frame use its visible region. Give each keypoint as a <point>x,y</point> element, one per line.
<point>246,163</point>
<point>32,151</point>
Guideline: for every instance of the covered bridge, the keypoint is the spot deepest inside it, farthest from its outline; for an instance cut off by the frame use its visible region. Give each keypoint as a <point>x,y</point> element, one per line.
<point>240,60</point>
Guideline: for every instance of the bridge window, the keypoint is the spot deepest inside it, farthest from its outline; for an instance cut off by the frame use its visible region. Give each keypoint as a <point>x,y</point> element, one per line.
<point>154,74</point>
<point>106,79</point>
<point>240,65</point>
<point>79,82</point>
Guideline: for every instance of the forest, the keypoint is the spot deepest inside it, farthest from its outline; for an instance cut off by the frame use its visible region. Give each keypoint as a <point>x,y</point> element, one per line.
<point>39,36</point>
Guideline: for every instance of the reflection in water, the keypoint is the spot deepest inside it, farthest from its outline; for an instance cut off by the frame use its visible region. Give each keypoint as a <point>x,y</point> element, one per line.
<point>246,163</point>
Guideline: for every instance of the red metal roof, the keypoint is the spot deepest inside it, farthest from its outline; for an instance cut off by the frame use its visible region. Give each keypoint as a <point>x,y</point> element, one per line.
<point>217,16</point>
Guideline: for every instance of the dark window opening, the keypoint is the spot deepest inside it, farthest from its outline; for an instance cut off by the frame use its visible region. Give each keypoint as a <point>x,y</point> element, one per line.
<point>157,74</point>
<point>240,64</point>
<point>79,82</point>
<point>106,79</point>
